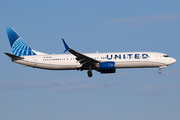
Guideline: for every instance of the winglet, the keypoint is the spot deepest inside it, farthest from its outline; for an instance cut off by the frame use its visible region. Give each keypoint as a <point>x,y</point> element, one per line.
<point>66,45</point>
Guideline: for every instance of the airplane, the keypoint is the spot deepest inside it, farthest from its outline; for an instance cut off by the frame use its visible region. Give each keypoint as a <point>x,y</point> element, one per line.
<point>101,62</point>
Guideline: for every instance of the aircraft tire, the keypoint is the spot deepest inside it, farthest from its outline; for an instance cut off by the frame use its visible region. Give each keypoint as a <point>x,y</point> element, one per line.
<point>89,73</point>
<point>159,71</point>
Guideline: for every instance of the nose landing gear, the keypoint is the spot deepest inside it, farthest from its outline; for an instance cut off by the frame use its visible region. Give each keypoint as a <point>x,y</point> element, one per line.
<point>159,71</point>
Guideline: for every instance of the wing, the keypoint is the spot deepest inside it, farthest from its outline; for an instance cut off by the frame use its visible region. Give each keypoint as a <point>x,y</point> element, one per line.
<point>86,61</point>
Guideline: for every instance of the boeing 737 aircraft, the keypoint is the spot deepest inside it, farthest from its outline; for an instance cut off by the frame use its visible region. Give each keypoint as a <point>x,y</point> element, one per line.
<point>101,62</point>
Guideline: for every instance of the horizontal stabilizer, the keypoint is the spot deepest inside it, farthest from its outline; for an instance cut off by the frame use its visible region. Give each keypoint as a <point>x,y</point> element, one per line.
<point>14,56</point>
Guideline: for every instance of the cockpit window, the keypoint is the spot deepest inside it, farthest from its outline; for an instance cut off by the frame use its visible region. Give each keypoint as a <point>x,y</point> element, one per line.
<point>165,55</point>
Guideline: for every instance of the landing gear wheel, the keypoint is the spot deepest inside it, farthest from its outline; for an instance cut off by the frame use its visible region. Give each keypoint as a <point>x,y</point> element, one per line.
<point>89,73</point>
<point>159,71</point>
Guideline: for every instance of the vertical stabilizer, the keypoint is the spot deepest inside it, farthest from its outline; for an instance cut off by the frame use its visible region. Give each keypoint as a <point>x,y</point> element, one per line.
<point>18,46</point>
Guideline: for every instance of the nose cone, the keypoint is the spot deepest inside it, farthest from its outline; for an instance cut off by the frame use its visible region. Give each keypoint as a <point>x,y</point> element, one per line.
<point>173,60</point>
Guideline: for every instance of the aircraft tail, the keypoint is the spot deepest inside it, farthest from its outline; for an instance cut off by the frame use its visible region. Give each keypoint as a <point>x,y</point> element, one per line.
<point>18,46</point>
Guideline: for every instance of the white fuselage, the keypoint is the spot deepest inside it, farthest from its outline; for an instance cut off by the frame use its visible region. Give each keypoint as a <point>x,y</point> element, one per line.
<point>121,59</point>
<point>101,62</point>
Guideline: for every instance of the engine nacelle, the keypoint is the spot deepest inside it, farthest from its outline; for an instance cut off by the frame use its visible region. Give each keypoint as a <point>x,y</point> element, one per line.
<point>107,67</point>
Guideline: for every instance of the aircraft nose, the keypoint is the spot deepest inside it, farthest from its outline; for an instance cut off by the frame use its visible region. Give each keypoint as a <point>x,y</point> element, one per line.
<point>173,60</point>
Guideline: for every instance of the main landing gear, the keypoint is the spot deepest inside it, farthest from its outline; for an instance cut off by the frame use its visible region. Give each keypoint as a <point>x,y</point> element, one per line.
<point>89,72</point>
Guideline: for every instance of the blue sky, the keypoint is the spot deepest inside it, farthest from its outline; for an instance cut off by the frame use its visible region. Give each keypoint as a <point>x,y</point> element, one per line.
<point>90,26</point>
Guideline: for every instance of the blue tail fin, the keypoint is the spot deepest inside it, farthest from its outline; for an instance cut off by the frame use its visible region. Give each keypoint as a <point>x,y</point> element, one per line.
<point>18,46</point>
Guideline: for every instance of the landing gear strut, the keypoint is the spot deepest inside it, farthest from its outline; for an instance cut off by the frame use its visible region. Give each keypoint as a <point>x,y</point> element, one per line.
<point>159,71</point>
<point>89,73</point>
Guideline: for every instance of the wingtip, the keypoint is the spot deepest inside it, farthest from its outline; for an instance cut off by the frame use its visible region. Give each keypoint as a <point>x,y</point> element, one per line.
<point>65,45</point>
